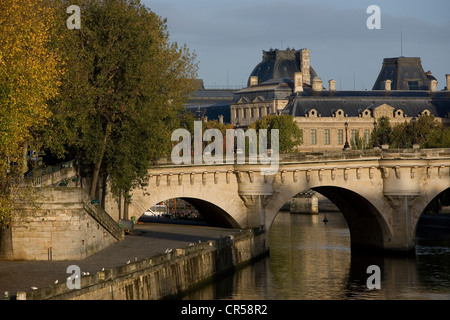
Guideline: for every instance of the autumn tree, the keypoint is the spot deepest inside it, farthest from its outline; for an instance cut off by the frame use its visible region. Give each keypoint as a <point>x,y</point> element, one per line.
<point>124,87</point>
<point>28,79</point>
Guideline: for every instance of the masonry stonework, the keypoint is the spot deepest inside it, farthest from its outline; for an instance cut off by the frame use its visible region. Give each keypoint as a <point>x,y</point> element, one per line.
<point>61,224</point>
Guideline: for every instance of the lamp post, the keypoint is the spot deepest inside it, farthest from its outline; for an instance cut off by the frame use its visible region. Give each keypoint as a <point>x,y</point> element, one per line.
<point>346,145</point>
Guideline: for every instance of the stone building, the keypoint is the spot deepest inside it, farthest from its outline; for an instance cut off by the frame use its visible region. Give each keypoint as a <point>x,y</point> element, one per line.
<point>322,115</point>
<point>402,91</point>
<point>211,104</point>
<point>285,83</point>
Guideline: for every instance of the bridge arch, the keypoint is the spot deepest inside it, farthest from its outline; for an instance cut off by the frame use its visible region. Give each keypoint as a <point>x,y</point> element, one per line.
<point>434,195</point>
<point>368,227</point>
<point>211,213</point>
<point>222,208</point>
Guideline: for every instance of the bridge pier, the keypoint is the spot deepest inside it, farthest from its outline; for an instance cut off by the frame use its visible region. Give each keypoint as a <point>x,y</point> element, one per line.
<point>255,190</point>
<point>403,224</point>
<point>401,188</point>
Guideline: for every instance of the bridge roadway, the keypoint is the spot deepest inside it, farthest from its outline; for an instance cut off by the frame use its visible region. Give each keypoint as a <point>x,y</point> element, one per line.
<point>147,240</point>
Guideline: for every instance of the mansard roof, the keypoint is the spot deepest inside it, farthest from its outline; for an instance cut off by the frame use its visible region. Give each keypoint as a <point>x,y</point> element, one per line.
<point>412,103</point>
<point>406,73</point>
<point>269,90</point>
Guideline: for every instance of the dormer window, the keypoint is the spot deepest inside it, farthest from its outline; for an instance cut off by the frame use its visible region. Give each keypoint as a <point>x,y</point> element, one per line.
<point>312,113</point>
<point>398,113</point>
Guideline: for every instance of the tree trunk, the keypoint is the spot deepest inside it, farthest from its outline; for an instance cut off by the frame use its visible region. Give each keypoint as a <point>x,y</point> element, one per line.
<point>125,206</point>
<point>120,204</point>
<point>104,186</point>
<point>24,158</point>
<point>98,164</point>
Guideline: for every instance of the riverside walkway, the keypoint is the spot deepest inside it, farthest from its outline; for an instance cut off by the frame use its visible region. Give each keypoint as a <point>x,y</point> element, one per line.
<point>146,240</point>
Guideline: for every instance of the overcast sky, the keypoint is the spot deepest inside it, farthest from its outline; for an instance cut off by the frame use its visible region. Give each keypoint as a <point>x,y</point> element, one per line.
<point>229,36</point>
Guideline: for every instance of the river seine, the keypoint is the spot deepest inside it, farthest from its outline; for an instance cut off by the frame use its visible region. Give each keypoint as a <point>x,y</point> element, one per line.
<point>310,259</point>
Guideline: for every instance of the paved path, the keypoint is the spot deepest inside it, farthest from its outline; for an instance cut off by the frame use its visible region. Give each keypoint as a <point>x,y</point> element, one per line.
<point>149,239</point>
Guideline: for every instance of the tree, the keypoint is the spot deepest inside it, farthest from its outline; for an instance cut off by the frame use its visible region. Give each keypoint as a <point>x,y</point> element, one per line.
<point>401,136</point>
<point>382,132</point>
<point>124,88</point>
<point>425,125</point>
<point>28,78</point>
<point>358,143</point>
<point>289,133</point>
<point>438,138</point>
<point>425,131</point>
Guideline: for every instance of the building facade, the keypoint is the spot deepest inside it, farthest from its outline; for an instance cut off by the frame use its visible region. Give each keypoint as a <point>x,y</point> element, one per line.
<point>285,83</point>
<point>330,118</point>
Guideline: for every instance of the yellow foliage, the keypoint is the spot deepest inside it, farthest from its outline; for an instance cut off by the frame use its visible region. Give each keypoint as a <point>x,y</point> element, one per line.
<point>28,79</point>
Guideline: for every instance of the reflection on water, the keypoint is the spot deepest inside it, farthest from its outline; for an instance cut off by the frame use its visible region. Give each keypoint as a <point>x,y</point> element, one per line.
<point>312,260</point>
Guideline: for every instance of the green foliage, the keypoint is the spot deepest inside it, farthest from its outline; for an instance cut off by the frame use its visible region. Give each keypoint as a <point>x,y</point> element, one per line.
<point>383,130</point>
<point>359,143</point>
<point>427,132</point>
<point>289,133</point>
<point>123,90</point>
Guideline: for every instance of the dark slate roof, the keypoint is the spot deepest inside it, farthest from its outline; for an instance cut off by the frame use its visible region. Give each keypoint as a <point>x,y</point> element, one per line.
<point>405,73</point>
<point>278,64</point>
<point>212,94</point>
<point>268,90</point>
<point>212,103</point>
<point>212,111</point>
<point>354,102</point>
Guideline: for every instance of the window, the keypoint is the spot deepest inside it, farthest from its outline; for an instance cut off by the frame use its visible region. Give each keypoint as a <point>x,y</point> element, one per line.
<point>366,137</point>
<point>340,136</point>
<point>326,136</point>
<point>313,136</point>
<point>268,110</point>
<point>353,135</point>
<point>413,85</point>
<point>252,112</point>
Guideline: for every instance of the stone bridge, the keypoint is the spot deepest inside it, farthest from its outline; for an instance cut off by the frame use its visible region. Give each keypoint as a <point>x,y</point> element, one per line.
<point>381,193</point>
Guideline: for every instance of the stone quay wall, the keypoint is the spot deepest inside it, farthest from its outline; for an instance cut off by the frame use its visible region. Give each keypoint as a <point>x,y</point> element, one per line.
<point>164,276</point>
<point>62,225</point>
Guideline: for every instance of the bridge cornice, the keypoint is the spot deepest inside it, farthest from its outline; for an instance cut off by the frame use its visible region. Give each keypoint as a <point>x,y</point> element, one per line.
<point>365,158</point>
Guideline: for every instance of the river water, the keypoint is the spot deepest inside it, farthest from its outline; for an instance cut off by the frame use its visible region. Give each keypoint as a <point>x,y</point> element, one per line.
<point>312,260</point>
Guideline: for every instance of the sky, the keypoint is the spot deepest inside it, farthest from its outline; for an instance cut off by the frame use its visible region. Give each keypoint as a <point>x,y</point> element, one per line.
<point>228,37</point>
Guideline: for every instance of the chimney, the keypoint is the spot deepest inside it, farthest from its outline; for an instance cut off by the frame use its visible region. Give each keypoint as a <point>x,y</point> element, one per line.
<point>332,85</point>
<point>317,84</point>
<point>447,78</point>
<point>253,81</point>
<point>298,82</point>
<point>387,85</point>
<point>433,85</point>
<point>304,64</point>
